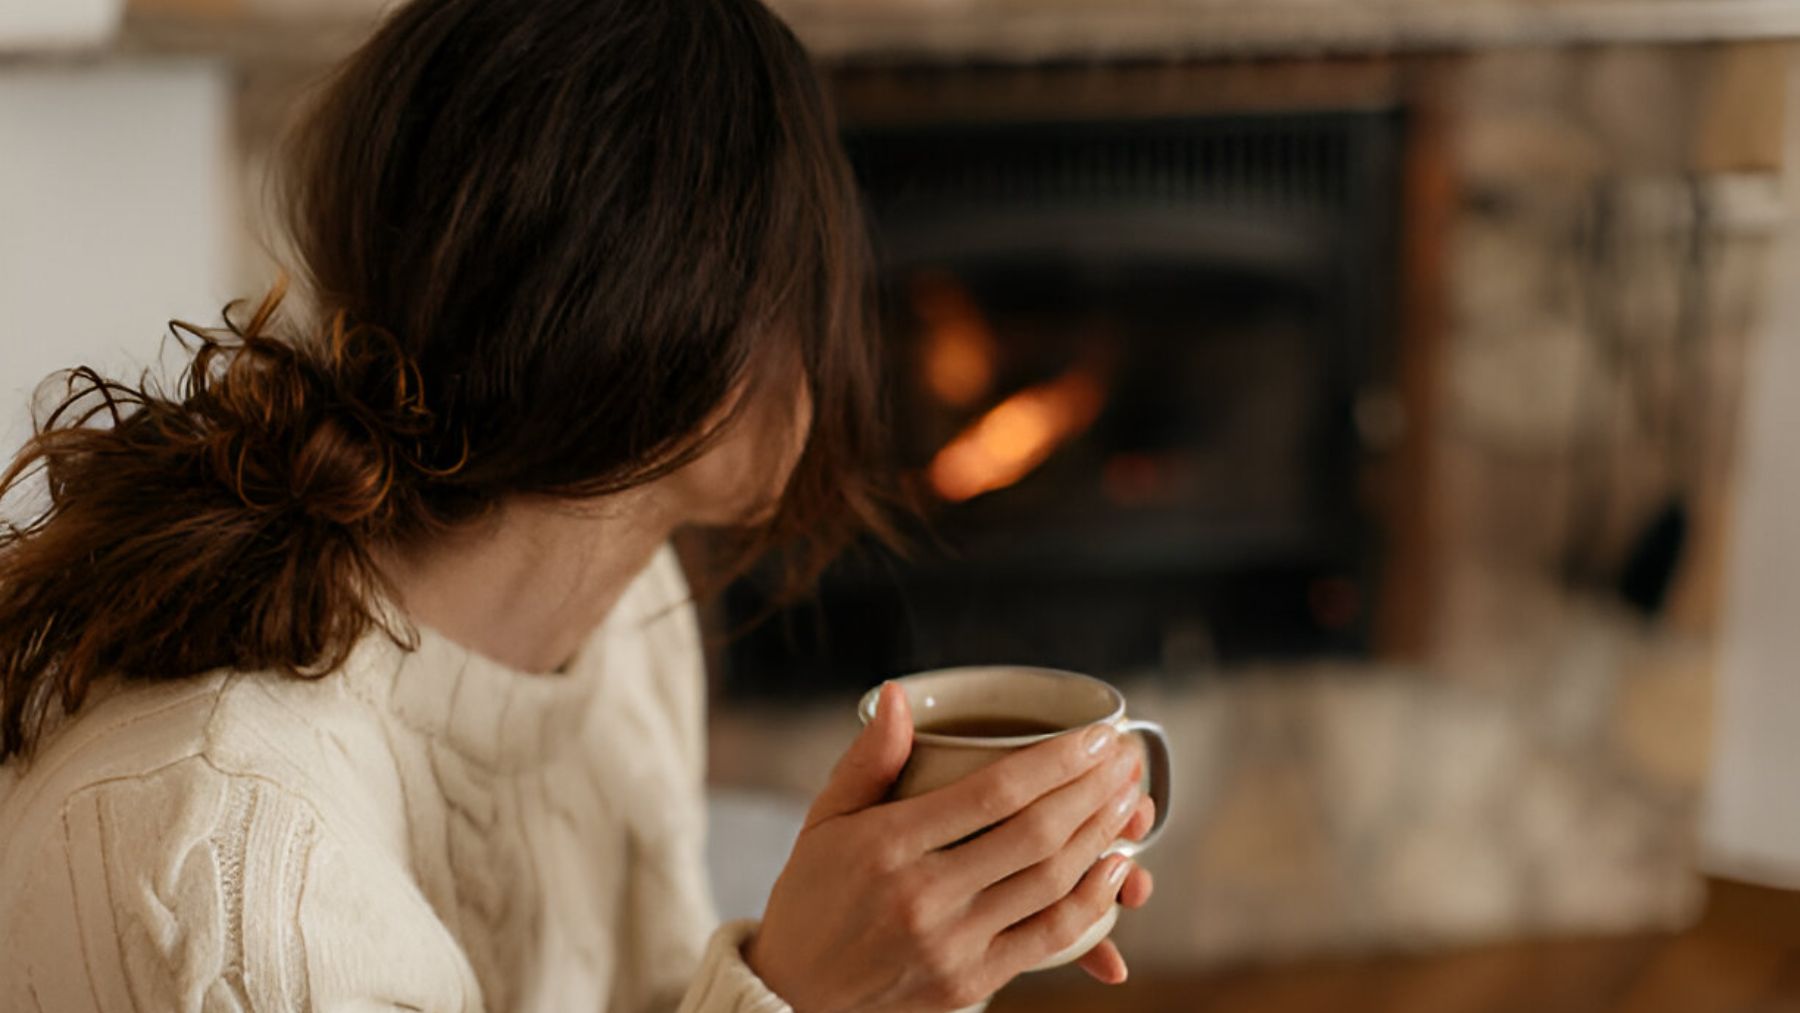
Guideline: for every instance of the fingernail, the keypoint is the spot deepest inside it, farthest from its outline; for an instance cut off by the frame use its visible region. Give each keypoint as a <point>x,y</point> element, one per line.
<point>1099,737</point>
<point>1117,874</point>
<point>1125,801</point>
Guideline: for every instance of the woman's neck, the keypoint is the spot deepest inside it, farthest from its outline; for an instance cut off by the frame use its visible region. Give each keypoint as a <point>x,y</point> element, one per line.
<point>527,587</point>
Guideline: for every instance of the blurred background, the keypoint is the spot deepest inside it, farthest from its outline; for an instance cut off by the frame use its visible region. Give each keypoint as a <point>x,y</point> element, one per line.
<point>1393,398</point>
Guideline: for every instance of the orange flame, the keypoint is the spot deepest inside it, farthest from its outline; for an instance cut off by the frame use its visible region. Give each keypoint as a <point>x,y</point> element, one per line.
<point>1015,436</point>
<point>957,364</point>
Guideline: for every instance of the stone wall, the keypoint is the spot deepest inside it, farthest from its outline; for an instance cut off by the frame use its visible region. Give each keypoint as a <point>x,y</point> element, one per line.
<point>1606,275</point>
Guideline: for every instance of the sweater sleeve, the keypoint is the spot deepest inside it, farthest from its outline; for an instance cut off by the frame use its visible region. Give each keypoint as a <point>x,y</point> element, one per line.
<point>723,983</point>
<point>190,889</point>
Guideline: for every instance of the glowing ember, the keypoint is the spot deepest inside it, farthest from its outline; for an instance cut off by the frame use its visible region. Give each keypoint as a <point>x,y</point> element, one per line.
<point>1131,479</point>
<point>1015,436</point>
<point>957,360</point>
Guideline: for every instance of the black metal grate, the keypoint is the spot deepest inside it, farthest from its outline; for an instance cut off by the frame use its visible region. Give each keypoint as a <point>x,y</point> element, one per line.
<point>1303,162</point>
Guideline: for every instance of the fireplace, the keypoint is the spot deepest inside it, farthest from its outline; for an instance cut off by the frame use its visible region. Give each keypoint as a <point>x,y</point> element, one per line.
<point>1413,272</point>
<point>1143,373</point>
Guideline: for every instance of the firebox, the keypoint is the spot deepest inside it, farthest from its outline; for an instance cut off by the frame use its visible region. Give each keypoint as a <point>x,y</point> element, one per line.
<point>1139,372</point>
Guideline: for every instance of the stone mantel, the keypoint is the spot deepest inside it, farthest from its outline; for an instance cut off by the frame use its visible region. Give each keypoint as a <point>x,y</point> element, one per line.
<point>288,32</point>
<point>1038,30</point>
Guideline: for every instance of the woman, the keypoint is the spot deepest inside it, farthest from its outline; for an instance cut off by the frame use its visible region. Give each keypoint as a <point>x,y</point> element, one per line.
<point>355,673</point>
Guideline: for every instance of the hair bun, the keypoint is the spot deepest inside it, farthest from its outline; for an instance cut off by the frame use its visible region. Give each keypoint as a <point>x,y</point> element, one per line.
<point>337,477</point>
<point>324,429</point>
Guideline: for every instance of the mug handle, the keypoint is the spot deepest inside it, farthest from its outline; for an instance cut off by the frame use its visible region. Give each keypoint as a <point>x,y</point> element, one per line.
<point>1156,750</point>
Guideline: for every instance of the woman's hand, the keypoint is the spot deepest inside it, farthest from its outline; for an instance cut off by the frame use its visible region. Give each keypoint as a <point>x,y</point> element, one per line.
<point>877,911</point>
<point>1104,962</point>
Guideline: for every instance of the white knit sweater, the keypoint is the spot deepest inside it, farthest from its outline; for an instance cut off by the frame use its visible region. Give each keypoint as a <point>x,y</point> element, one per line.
<point>425,831</point>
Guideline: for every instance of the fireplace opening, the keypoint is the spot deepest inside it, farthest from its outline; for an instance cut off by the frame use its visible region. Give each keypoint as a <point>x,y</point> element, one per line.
<point>1142,373</point>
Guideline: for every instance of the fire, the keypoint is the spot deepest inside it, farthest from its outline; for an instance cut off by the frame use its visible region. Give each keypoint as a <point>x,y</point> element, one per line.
<point>957,360</point>
<point>1015,436</point>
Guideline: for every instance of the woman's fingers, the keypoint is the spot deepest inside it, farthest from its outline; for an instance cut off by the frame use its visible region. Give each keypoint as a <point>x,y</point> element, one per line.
<point>1031,890</point>
<point>1041,830</point>
<point>1061,925</point>
<point>997,791</point>
<point>1141,820</point>
<point>1104,963</point>
<point>1139,885</point>
<point>868,768</point>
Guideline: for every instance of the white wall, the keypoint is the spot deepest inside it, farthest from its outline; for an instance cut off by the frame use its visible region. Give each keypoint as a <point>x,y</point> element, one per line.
<point>1752,825</point>
<point>116,214</point>
<point>41,24</point>
<point>1753,819</point>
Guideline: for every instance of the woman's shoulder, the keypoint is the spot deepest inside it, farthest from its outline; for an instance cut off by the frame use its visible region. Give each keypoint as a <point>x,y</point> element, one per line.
<point>191,739</point>
<point>154,827</point>
<point>123,730</point>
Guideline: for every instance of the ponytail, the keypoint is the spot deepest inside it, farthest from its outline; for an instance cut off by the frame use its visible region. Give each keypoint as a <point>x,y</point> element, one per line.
<point>229,524</point>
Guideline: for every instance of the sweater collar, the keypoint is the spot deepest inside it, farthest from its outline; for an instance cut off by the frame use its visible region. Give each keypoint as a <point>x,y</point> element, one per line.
<point>494,715</point>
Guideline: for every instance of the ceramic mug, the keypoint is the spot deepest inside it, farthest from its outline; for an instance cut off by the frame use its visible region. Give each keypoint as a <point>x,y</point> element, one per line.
<point>1064,701</point>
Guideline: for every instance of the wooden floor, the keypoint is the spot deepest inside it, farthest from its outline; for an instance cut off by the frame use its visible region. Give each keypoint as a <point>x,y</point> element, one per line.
<point>1744,957</point>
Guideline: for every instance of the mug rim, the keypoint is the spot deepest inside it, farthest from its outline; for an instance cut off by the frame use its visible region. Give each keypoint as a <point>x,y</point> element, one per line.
<point>865,708</point>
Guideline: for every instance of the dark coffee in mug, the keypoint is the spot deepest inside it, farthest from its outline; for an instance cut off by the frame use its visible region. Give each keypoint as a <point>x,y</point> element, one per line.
<point>989,726</point>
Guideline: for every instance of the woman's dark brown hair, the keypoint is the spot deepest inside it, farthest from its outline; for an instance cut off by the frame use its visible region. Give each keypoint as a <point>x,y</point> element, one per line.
<point>546,243</point>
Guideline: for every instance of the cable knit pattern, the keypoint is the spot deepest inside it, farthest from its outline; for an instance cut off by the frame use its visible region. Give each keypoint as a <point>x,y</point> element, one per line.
<point>422,830</point>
